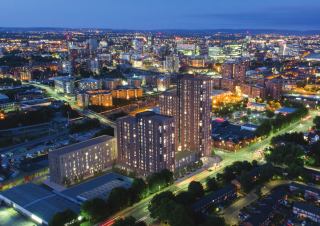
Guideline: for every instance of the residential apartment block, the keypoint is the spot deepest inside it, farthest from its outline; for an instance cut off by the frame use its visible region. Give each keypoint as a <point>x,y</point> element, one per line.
<point>82,158</point>
<point>111,83</point>
<point>163,83</point>
<point>28,96</point>
<point>146,142</point>
<point>193,109</point>
<point>134,82</point>
<point>251,91</point>
<point>228,84</point>
<point>94,97</point>
<point>234,71</point>
<point>89,84</point>
<point>64,84</point>
<point>308,211</point>
<point>126,93</point>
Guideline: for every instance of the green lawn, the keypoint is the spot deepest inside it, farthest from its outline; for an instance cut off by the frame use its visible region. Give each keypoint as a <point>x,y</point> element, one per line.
<point>182,154</point>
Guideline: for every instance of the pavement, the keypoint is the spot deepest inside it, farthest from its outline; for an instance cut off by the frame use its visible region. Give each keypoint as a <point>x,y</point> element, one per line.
<point>139,210</point>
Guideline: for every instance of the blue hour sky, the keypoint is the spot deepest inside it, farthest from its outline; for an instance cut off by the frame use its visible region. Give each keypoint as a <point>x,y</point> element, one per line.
<point>162,14</point>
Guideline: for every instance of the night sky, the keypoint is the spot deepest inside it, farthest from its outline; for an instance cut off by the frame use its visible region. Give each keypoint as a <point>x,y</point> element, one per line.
<point>162,14</point>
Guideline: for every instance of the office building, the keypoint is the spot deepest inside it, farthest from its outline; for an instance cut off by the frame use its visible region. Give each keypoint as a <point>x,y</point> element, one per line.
<point>146,142</point>
<point>282,48</point>
<point>82,158</point>
<point>93,43</point>
<point>151,40</point>
<point>134,82</point>
<point>234,71</point>
<point>163,83</point>
<point>187,49</point>
<point>64,84</point>
<point>89,84</point>
<point>95,97</point>
<point>193,109</point>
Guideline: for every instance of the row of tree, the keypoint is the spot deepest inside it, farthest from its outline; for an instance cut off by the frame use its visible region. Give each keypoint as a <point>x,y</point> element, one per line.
<point>280,122</point>
<point>297,138</point>
<point>86,124</point>
<point>188,169</point>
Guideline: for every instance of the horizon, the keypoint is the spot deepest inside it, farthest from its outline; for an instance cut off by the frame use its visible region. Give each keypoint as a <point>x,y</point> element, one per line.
<point>164,15</point>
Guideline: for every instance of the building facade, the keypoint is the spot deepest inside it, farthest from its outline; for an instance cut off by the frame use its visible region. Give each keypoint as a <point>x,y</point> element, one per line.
<point>146,142</point>
<point>96,97</point>
<point>234,71</point>
<point>163,83</point>
<point>82,158</point>
<point>64,84</point>
<point>89,84</point>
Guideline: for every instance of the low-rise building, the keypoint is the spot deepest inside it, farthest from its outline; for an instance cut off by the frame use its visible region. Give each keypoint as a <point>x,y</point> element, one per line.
<point>309,190</point>
<point>230,137</point>
<point>305,210</point>
<point>285,110</point>
<point>134,82</point>
<point>220,96</point>
<point>28,96</point>
<point>228,84</point>
<point>64,84</point>
<point>255,173</point>
<point>258,107</point>
<point>184,158</point>
<point>216,197</point>
<point>127,93</point>
<point>82,158</point>
<point>94,97</point>
<point>249,127</point>
<point>89,84</point>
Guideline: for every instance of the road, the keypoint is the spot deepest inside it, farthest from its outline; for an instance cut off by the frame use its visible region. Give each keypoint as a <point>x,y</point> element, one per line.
<point>140,210</point>
<point>103,120</point>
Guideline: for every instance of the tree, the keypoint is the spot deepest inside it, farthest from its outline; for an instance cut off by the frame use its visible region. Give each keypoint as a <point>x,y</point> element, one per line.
<point>244,119</point>
<point>62,218</point>
<point>95,173</point>
<point>219,176</point>
<point>95,209</point>
<point>75,179</point>
<point>269,114</point>
<point>182,172</point>
<point>255,121</point>
<point>118,198</point>
<point>185,198</point>
<point>266,173</point>
<point>181,215</point>
<point>189,168</point>
<point>196,189</point>
<point>140,189</point>
<point>133,174</point>
<point>81,177</point>
<point>212,152</point>
<point>254,163</point>
<point>299,84</point>
<point>210,66</point>
<point>156,181</point>
<point>211,184</point>
<point>200,163</point>
<point>194,166</point>
<point>246,181</point>
<point>107,130</point>
<point>214,220</point>
<point>176,175</point>
<point>248,111</point>
<point>68,182</point>
<point>127,221</point>
<point>299,192</point>
<point>258,192</point>
<point>228,174</point>
<point>155,205</point>
<point>168,175</point>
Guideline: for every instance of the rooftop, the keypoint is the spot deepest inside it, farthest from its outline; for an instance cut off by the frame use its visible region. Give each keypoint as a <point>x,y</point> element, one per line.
<point>286,109</point>
<point>182,154</point>
<point>38,200</point>
<point>81,145</point>
<point>77,190</point>
<point>251,125</point>
<point>210,198</point>
<point>4,97</point>
<point>103,190</point>
<point>307,208</point>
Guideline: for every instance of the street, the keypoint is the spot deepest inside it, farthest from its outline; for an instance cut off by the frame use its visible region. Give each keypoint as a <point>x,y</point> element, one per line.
<point>139,210</point>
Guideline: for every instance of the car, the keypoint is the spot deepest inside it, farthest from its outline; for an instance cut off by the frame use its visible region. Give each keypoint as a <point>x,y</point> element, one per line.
<point>310,184</point>
<point>303,223</point>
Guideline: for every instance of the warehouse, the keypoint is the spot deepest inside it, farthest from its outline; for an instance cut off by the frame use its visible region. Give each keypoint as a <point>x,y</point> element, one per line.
<point>36,202</point>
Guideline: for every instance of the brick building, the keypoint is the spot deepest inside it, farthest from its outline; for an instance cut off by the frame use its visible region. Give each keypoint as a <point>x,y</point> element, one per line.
<point>216,82</point>
<point>305,210</point>
<point>127,93</point>
<point>228,84</point>
<point>234,71</point>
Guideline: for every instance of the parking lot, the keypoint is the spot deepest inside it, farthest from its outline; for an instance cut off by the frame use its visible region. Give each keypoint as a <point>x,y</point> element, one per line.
<point>10,217</point>
<point>17,157</point>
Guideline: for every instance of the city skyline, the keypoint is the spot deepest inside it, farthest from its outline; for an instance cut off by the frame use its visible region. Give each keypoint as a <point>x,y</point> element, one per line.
<point>163,15</point>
